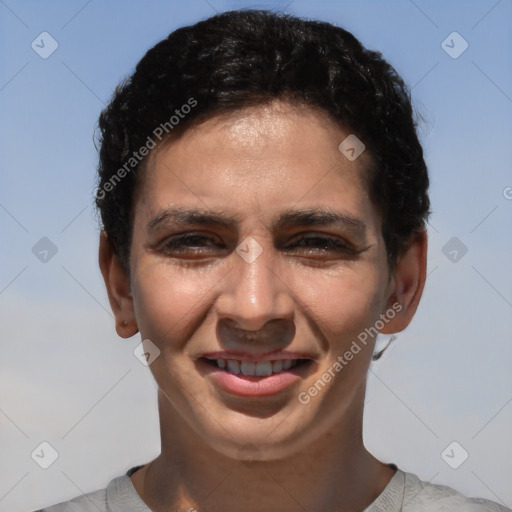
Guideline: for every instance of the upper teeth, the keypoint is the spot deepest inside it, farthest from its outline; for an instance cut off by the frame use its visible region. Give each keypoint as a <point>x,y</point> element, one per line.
<point>258,369</point>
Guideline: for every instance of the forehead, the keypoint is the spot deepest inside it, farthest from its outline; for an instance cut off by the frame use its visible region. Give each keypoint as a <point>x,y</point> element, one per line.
<point>269,157</point>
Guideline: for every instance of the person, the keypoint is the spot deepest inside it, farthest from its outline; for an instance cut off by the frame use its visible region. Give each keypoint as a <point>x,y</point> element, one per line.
<point>263,197</point>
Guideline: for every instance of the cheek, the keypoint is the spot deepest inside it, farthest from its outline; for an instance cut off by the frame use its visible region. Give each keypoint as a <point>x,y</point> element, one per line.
<point>345,303</point>
<point>169,301</point>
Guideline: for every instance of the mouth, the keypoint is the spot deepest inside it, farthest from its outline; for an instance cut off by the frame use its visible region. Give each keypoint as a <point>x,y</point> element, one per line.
<point>249,378</point>
<point>252,369</point>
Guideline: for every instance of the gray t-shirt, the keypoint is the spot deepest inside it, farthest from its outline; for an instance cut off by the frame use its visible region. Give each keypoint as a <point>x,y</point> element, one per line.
<point>405,492</point>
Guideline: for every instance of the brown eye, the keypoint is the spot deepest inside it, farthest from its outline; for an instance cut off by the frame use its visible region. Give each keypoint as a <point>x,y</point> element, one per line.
<point>323,244</point>
<point>190,243</point>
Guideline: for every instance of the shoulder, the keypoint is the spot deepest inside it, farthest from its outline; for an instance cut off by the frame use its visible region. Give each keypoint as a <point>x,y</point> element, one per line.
<point>426,497</point>
<point>118,496</point>
<point>95,501</point>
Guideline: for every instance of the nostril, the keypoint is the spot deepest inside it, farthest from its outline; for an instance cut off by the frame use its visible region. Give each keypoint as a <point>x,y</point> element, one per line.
<point>277,334</point>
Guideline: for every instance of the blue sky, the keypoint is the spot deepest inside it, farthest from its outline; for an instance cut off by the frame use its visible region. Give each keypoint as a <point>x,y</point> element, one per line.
<point>447,376</point>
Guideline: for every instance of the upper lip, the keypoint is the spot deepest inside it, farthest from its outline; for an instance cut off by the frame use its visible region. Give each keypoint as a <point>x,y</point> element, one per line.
<point>256,358</point>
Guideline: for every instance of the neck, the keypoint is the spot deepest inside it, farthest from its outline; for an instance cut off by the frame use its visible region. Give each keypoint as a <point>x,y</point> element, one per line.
<point>334,472</point>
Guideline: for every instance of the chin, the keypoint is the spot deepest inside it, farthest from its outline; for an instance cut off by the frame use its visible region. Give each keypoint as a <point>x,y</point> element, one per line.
<point>252,437</point>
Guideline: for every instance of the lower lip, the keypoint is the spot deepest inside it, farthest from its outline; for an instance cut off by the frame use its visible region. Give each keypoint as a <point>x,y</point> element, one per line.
<point>243,385</point>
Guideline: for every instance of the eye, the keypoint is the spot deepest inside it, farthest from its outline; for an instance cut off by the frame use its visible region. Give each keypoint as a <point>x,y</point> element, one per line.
<point>190,244</point>
<point>319,245</point>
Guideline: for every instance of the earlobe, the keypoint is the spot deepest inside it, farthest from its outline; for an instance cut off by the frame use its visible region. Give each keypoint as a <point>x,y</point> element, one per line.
<point>409,281</point>
<point>118,285</point>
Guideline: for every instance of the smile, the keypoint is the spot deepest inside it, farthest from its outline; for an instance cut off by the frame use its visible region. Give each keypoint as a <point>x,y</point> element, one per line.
<point>261,369</point>
<point>250,379</point>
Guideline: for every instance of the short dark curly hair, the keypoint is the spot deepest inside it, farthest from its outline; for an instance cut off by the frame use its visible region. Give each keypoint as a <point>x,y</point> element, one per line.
<point>251,57</point>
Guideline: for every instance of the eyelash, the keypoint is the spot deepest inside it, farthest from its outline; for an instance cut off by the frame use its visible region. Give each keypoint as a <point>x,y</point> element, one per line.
<point>181,243</point>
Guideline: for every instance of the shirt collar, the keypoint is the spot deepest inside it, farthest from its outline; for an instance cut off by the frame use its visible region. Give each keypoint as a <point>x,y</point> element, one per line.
<point>122,496</point>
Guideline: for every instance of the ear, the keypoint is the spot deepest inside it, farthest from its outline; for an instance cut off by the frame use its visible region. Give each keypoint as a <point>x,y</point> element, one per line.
<point>406,285</point>
<point>118,285</point>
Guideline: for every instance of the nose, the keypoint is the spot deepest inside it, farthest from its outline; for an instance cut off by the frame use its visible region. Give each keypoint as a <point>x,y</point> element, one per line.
<point>255,309</point>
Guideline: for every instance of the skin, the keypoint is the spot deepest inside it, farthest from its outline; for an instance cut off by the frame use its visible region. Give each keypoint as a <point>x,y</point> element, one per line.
<point>256,163</point>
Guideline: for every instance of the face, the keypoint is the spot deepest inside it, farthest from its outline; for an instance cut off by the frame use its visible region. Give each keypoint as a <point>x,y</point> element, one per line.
<point>256,247</point>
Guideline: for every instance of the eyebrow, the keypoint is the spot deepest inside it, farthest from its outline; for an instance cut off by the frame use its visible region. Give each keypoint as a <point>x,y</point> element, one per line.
<point>288,219</point>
